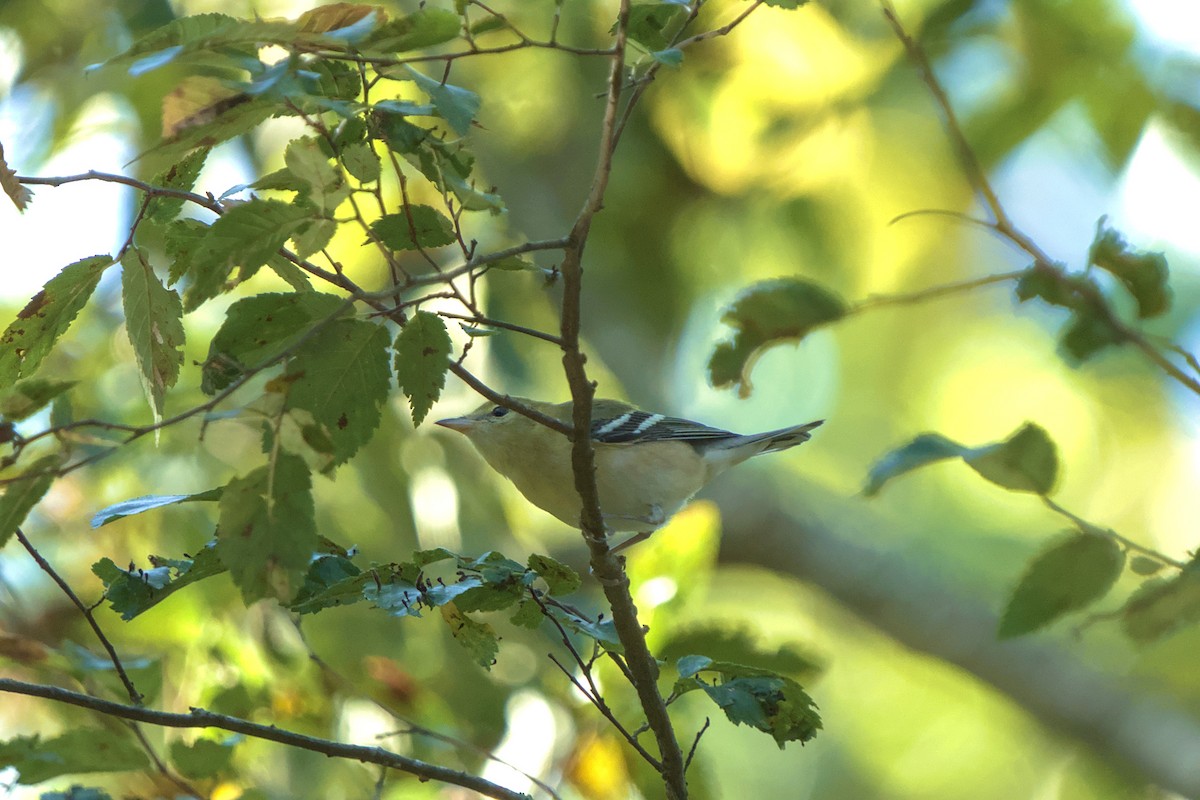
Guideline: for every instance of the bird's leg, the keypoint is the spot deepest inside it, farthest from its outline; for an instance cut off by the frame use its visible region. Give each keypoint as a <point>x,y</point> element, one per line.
<point>655,518</point>
<point>632,540</point>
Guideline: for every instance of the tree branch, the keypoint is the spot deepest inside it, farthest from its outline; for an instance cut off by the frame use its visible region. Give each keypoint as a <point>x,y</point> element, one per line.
<point>201,718</point>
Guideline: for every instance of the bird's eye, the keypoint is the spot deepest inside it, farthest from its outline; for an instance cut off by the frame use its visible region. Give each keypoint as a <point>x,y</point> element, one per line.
<point>499,411</point>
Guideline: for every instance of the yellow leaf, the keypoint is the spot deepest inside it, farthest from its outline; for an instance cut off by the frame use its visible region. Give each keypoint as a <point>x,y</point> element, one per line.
<point>197,100</point>
<point>336,16</point>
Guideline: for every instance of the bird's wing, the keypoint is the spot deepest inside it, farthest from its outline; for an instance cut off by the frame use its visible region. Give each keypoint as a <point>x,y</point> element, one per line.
<point>632,425</point>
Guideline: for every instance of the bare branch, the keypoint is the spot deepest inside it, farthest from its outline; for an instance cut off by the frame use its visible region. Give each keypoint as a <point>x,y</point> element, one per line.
<point>202,718</point>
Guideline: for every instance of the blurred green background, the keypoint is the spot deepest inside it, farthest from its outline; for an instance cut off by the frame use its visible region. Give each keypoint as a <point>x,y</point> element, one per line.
<point>784,149</point>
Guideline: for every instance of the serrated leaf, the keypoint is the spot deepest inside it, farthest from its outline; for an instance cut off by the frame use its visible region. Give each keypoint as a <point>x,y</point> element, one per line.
<point>653,25</point>
<point>560,579</point>
<point>182,175</point>
<point>423,351</point>
<point>78,751</point>
<point>1027,461</point>
<point>180,32</point>
<point>154,322</point>
<point>203,758</point>
<point>766,314</point>
<point>267,533</point>
<point>332,580</point>
<point>138,505</point>
<point>361,161</point>
<point>687,666</point>
<point>1162,605</point>
<point>423,28</point>
<point>772,703</point>
<point>924,449</point>
<point>325,184</point>
<point>24,492</point>
<point>528,615</point>
<point>456,105</point>
<point>30,396</point>
<point>46,317</point>
<point>131,592</point>
<point>341,375</point>
<point>603,632</point>
<point>1144,274</point>
<point>259,328</point>
<point>1069,576</point>
<point>477,638</point>
<point>247,235</point>
<point>312,239</point>
<point>16,191</point>
<point>181,240</point>
<point>426,228</point>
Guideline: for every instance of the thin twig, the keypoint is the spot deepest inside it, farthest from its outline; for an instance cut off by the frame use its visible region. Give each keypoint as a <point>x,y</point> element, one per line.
<point>696,743</point>
<point>202,718</point>
<point>933,292</point>
<point>1128,544</point>
<point>135,696</point>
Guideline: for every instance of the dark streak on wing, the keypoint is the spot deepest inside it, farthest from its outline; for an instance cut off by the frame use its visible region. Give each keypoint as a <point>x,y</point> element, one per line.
<point>641,426</point>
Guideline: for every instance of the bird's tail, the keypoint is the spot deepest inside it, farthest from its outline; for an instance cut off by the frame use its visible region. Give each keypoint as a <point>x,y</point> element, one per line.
<point>787,437</point>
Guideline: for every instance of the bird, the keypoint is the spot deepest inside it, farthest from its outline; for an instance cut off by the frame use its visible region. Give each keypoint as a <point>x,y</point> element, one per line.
<point>648,466</point>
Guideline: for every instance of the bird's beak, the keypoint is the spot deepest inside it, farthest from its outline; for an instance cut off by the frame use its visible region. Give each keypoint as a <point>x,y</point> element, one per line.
<point>460,424</point>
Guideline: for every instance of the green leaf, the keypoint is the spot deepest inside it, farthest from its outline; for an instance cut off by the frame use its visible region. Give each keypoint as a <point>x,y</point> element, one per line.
<point>203,758</point>
<point>772,703</point>
<point>423,28</point>
<point>341,375</point>
<point>560,579</point>
<point>78,751</point>
<point>311,239</point>
<point>267,533</point>
<point>602,631</point>
<point>1027,461</point>
<point>24,492</point>
<point>477,638</point>
<point>789,4</point>
<point>671,57</point>
<point>528,615</point>
<point>423,350</point>
<point>427,228</point>
<point>154,322</point>
<point>360,160</point>
<point>185,31</point>
<point>12,187</point>
<point>137,505</point>
<point>182,176</point>
<point>1090,329</point>
<point>332,580</point>
<point>1162,605</point>
<point>454,104</point>
<point>1144,274</point>
<point>28,397</point>
<point>133,591</point>
<point>325,184</point>
<point>1141,565</point>
<point>247,235</point>
<point>1071,575</point>
<point>46,317</point>
<point>181,240</point>
<point>728,642</point>
<point>654,25</point>
<point>925,449</point>
<point>767,314</point>
<point>256,329</point>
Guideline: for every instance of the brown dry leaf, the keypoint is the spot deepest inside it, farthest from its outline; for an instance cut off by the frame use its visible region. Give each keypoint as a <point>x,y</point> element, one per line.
<point>12,187</point>
<point>336,16</point>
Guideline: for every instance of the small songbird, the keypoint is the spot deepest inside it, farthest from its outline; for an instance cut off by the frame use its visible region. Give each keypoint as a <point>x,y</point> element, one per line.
<point>647,465</point>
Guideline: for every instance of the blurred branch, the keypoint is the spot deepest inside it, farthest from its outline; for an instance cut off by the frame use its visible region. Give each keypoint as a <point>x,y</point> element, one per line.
<point>818,539</point>
<point>932,293</point>
<point>1003,224</point>
<point>1109,533</point>
<point>201,718</point>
